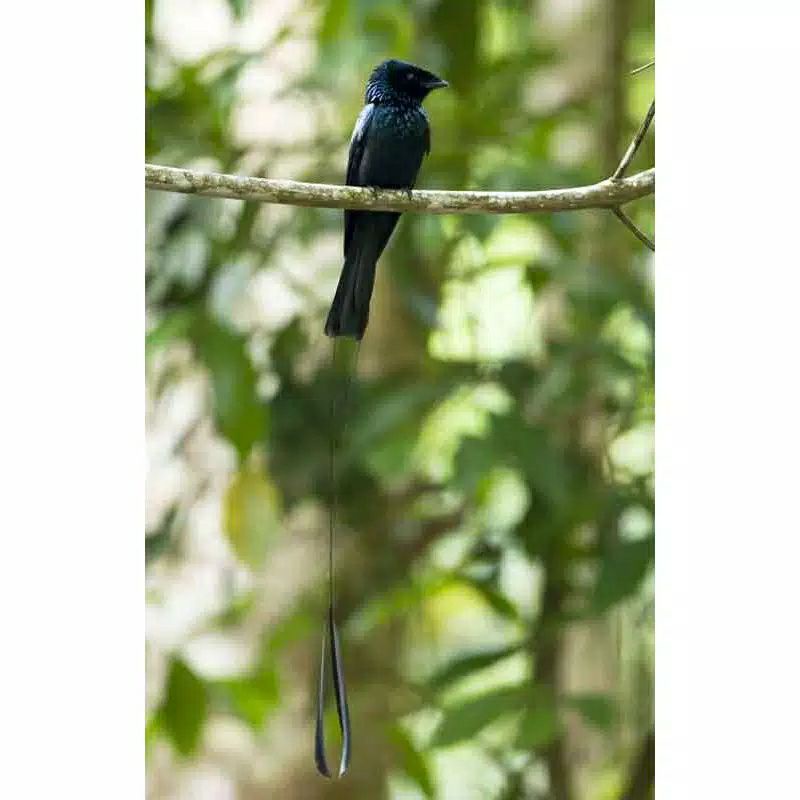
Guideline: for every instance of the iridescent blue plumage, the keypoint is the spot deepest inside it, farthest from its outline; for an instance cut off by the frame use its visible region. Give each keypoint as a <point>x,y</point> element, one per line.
<point>390,139</point>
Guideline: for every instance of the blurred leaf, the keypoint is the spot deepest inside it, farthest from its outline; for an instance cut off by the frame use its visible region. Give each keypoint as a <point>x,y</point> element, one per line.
<point>254,697</point>
<point>156,544</point>
<point>236,613</point>
<point>499,603</point>
<point>463,665</point>
<point>596,709</point>
<point>513,442</point>
<point>185,707</point>
<point>191,113</point>
<point>464,720</point>
<point>174,325</point>
<point>474,460</point>
<point>296,626</point>
<point>393,602</point>
<point>251,515</point>
<point>152,730</point>
<point>534,453</point>
<point>412,761</point>
<point>390,407</point>
<point>622,570</point>
<point>239,7</point>
<point>538,726</point>
<point>239,413</point>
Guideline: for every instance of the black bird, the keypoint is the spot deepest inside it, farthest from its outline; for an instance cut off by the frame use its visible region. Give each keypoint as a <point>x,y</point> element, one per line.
<point>389,140</point>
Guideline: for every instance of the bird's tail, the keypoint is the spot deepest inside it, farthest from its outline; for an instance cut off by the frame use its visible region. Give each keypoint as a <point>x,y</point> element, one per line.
<point>350,308</point>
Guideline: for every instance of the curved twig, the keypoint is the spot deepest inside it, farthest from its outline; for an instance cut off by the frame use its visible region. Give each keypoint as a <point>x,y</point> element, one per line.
<point>642,68</point>
<point>631,226</point>
<point>619,172</point>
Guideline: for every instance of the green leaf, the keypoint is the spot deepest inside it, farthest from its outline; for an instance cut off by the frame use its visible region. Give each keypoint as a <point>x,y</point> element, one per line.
<point>185,707</point>
<point>596,709</point>
<point>254,697</point>
<point>152,730</point>
<point>464,720</point>
<point>474,459</point>
<point>392,408</point>
<point>622,570</point>
<point>538,726</point>
<point>251,515</point>
<point>412,762</point>
<point>240,415</point>
<point>463,665</point>
<point>156,544</point>
<point>498,602</point>
<point>535,455</point>
<point>174,325</point>
<point>239,8</point>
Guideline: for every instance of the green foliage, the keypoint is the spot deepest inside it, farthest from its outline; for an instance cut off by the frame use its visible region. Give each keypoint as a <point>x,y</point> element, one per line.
<point>251,510</point>
<point>195,106</point>
<point>240,415</point>
<point>238,7</point>
<point>157,543</point>
<point>411,761</point>
<point>185,707</point>
<point>596,709</point>
<point>622,570</point>
<point>537,727</point>
<point>464,665</point>
<point>465,719</point>
<point>253,698</point>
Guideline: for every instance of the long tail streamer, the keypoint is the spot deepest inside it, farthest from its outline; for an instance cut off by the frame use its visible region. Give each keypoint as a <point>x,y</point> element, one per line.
<point>330,635</point>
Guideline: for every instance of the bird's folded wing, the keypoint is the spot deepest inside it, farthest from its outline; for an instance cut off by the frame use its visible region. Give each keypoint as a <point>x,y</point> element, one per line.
<point>357,146</point>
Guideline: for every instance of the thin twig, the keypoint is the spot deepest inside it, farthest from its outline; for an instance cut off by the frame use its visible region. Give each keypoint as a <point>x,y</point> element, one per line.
<point>619,173</point>
<point>630,225</point>
<point>634,145</point>
<point>609,193</point>
<point>643,68</point>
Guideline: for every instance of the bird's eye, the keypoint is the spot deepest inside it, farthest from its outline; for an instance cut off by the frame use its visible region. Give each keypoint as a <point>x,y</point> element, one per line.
<point>409,76</point>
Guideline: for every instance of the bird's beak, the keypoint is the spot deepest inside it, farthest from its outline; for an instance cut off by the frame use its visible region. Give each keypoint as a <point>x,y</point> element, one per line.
<point>435,83</point>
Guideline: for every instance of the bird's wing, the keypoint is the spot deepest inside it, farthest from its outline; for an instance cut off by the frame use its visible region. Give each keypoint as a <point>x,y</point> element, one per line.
<point>357,145</point>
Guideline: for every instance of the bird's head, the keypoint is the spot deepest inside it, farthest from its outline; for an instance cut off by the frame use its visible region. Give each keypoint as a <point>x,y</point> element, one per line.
<point>399,79</point>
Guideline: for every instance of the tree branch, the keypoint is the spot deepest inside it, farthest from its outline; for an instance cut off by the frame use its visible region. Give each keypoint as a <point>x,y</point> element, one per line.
<point>609,193</point>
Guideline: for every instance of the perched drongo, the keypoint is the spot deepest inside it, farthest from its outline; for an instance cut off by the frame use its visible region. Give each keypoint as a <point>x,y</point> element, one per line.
<point>389,141</point>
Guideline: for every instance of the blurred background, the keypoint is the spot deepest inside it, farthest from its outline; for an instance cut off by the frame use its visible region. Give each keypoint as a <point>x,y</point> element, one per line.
<point>496,482</point>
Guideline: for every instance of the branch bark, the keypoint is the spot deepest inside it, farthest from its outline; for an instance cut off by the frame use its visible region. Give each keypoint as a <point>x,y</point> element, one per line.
<point>609,193</point>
